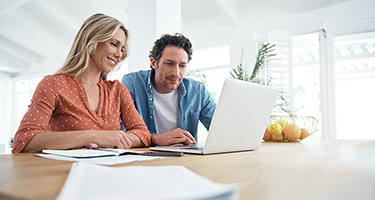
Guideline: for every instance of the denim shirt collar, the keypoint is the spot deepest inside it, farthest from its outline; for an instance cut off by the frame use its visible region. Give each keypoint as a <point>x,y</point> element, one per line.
<point>149,80</point>
<point>181,89</point>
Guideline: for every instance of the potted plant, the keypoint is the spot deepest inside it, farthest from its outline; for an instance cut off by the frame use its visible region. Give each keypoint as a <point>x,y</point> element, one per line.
<point>265,53</point>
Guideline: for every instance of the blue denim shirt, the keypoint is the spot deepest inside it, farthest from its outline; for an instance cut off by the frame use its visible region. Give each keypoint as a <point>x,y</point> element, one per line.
<point>196,103</point>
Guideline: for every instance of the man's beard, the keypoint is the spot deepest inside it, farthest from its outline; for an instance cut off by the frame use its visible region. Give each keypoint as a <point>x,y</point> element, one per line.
<point>165,85</point>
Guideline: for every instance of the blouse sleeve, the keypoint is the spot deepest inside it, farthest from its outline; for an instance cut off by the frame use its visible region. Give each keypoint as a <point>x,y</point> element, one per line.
<point>131,119</point>
<point>38,114</point>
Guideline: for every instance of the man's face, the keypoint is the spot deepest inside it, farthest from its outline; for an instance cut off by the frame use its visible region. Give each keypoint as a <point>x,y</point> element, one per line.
<point>170,69</point>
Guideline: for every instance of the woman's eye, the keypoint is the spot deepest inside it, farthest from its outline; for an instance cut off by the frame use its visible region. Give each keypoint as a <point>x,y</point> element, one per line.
<point>113,44</point>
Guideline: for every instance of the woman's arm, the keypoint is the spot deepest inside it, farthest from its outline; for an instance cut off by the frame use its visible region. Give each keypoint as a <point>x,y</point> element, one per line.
<point>79,139</point>
<point>136,142</point>
<point>132,120</point>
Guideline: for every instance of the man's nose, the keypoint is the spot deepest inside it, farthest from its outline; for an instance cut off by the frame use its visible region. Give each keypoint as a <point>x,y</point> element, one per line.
<point>176,70</point>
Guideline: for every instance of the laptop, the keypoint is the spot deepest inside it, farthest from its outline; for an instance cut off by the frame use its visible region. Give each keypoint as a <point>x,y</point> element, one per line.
<point>239,122</point>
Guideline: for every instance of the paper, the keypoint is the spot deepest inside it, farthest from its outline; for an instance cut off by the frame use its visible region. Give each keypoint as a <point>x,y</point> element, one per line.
<point>87,181</point>
<point>111,160</point>
<point>87,153</point>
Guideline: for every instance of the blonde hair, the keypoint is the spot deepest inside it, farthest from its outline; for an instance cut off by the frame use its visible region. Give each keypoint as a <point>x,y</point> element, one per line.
<point>97,28</point>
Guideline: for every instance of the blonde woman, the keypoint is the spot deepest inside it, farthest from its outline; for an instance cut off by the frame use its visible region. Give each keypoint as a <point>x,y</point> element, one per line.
<point>77,107</point>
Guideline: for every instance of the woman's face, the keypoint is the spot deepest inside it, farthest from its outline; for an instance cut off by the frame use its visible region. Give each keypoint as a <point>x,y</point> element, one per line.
<point>109,53</point>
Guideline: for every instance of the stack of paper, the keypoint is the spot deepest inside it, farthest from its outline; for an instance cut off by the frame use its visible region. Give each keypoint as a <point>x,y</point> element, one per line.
<point>89,181</point>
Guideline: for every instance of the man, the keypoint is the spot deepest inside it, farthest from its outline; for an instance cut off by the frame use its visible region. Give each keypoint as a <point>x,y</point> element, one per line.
<point>170,104</point>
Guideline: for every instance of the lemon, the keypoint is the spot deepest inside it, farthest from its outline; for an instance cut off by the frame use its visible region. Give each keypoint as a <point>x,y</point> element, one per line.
<point>275,129</point>
<point>282,122</point>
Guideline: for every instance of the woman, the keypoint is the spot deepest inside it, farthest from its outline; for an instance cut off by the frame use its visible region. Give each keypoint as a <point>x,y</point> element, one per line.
<point>77,107</point>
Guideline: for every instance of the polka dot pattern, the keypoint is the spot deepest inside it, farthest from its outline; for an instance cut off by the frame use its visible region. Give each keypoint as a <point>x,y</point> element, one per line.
<point>60,104</point>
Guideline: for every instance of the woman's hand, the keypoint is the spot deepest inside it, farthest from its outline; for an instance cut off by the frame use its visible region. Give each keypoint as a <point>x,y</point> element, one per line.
<point>111,139</point>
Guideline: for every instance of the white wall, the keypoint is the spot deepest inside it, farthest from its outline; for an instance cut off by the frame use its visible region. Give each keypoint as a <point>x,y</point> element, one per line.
<point>148,23</point>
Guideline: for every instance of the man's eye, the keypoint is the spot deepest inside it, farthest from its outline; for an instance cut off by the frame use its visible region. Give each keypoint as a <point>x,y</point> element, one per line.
<point>183,66</point>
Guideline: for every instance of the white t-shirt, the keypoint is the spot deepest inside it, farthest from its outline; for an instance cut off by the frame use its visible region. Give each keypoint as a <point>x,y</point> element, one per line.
<point>165,110</point>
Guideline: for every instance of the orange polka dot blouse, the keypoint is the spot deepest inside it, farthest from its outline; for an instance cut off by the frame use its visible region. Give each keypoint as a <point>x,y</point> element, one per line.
<point>59,103</point>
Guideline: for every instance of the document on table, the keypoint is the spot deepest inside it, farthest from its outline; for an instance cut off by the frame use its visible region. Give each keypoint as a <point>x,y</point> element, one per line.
<point>88,181</point>
<point>90,153</point>
<point>111,160</point>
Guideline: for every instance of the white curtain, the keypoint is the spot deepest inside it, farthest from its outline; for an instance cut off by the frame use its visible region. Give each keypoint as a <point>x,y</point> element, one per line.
<point>6,114</point>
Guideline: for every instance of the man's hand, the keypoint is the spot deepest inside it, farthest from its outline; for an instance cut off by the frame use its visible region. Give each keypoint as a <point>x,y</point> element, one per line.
<point>176,136</point>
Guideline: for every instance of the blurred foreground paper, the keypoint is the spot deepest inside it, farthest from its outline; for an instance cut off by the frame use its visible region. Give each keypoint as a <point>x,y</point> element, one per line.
<point>88,181</point>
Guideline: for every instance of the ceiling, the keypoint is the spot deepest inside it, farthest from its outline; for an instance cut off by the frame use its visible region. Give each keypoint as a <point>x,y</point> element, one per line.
<point>35,35</point>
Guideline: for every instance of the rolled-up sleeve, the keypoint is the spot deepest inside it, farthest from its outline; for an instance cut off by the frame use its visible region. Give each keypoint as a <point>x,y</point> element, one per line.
<point>131,119</point>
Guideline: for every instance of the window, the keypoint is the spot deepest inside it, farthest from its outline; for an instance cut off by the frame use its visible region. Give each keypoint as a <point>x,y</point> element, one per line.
<point>23,93</point>
<point>123,69</point>
<point>280,72</point>
<point>306,73</point>
<point>332,71</point>
<point>214,64</point>
<point>6,105</point>
<point>210,57</point>
<point>354,62</point>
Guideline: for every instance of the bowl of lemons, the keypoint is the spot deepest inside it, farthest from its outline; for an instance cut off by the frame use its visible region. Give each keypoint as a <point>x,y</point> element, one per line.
<point>290,128</point>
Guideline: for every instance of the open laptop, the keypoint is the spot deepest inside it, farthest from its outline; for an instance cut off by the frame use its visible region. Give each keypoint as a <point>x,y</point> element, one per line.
<point>239,121</point>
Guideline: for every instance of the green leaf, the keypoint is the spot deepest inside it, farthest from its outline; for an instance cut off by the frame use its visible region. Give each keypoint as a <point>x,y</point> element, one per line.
<point>198,74</point>
<point>11,143</point>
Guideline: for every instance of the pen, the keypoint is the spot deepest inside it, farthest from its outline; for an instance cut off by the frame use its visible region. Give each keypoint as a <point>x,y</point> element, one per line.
<point>103,149</point>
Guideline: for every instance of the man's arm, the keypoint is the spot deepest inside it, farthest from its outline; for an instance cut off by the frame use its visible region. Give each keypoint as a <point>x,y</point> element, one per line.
<point>176,136</point>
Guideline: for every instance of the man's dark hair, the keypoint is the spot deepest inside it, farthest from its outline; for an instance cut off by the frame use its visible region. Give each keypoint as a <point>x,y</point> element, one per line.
<point>177,39</point>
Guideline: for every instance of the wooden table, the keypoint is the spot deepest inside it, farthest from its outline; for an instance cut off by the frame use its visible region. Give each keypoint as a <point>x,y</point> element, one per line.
<point>311,169</point>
